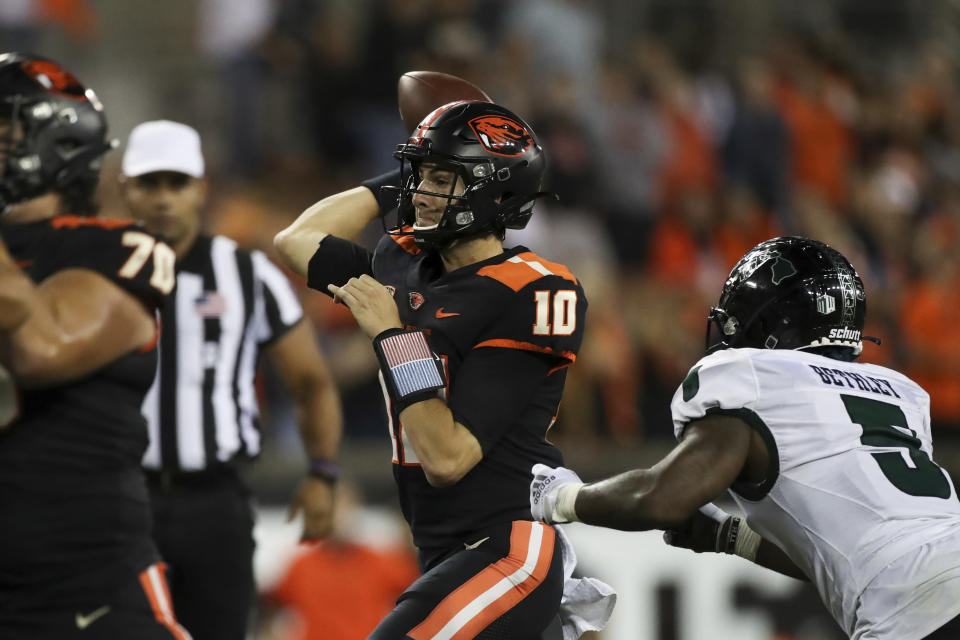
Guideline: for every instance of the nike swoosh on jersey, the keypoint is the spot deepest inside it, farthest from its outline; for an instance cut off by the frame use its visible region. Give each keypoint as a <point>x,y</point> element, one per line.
<point>442,314</point>
<point>478,542</point>
<point>84,621</point>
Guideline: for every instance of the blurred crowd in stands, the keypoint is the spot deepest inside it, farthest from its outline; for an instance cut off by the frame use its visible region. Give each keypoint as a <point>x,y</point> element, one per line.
<point>680,134</point>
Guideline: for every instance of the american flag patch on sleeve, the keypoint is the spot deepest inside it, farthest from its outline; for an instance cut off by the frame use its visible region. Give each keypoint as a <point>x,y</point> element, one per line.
<point>410,362</point>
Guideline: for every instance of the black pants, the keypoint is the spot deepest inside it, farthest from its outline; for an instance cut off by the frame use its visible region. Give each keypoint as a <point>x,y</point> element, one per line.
<point>507,587</point>
<point>203,528</point>
<point>949,631</point>
<point>138,608</point>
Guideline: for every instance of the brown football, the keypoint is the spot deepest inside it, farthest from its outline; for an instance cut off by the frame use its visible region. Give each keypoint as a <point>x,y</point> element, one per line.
<point>420,92</point>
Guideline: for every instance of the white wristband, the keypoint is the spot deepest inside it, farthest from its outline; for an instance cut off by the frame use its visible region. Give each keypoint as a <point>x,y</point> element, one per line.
<point>747,543</point>
<point>714,512</point>
<point>564,510</point>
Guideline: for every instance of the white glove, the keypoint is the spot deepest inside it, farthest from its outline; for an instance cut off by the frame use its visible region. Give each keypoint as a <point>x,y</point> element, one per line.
<point>553,493</point>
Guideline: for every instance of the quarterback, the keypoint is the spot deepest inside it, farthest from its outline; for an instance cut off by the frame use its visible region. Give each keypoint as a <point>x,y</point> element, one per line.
<point>829,459</point>
<point>474,340</point>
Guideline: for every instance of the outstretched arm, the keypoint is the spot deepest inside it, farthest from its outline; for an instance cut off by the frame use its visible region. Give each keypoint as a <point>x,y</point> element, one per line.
<point>673,495</point>
<point>707,461</point>
<point>713,530</point>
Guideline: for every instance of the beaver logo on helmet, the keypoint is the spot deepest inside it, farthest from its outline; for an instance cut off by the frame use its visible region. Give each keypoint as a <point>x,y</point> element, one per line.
<point>54,78</point>
<point>501,135</point>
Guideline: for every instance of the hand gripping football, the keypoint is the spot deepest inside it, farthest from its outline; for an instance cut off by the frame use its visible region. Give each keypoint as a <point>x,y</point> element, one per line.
<point>420,92</point>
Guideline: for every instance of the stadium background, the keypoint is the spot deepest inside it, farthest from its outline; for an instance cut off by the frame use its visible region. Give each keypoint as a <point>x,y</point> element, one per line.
<point>680,133</point>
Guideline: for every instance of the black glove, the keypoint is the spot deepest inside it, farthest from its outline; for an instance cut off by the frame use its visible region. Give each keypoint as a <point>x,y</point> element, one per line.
<point>713,530</point>
<point>702,532</point>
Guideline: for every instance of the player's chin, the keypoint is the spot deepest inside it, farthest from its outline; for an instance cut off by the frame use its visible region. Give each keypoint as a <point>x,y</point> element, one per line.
<point>168,229</point>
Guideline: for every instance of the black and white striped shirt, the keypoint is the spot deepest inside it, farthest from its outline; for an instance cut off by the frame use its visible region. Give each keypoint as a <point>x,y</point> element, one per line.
<point>229,303</point>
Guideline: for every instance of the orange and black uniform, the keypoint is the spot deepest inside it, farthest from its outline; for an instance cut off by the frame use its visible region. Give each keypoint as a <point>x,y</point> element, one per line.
<point>505,329</point>
<point>76,557</point>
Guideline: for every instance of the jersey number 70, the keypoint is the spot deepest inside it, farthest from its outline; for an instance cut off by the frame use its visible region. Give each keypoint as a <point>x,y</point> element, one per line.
<point>879,421</point>
<point>145,246</point>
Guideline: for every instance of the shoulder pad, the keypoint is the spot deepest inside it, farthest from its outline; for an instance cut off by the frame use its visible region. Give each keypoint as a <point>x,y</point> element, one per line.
<point>723,380</point>
<point>545,311</point>
<point>524,268</point>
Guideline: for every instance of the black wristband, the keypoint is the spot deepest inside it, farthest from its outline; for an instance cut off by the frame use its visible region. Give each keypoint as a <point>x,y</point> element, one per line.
<point>411,371</point>
<point>386,199</point>
<point>727,535</point>
<point>335,261</point>
<point>325,470</point>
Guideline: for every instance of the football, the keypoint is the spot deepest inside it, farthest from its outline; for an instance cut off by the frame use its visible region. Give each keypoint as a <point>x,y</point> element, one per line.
<point>420,92</point>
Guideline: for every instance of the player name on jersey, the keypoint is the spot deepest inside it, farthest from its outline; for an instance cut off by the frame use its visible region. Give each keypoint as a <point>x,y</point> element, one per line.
<point>854,380</point>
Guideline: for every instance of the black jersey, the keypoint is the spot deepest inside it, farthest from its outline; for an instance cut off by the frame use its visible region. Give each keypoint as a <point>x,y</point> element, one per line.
<point>72,497</point>
<point>479,317</point>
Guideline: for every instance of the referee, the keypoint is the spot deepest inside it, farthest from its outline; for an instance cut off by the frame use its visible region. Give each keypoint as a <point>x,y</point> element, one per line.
<point>230,306</point>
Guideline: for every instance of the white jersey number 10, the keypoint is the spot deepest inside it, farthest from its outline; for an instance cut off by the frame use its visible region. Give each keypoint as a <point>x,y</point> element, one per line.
<point>564,307</point>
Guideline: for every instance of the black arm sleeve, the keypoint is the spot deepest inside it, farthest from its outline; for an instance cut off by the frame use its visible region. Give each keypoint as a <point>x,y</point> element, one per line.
<point>492,389</point>
<point>386,200</point>
<point>335,261</point>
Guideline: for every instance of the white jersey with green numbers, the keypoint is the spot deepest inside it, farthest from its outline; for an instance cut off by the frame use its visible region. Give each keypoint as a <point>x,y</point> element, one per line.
<point>852,494</point>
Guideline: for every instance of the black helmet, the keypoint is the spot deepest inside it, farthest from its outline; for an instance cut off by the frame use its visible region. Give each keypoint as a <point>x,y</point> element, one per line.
<point>496,155</point>
<point>63,130</point>
<point>790,293</point>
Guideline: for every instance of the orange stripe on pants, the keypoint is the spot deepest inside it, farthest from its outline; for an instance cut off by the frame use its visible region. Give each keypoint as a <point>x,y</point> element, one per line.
<point>494,590</point>
<point>158,594</point>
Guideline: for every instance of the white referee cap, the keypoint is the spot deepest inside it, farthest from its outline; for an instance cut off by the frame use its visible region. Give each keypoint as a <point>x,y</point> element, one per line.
<point>163,145</point>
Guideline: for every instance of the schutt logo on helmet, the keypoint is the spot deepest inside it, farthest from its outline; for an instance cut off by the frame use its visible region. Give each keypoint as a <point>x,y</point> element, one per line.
<point>501,135</point>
